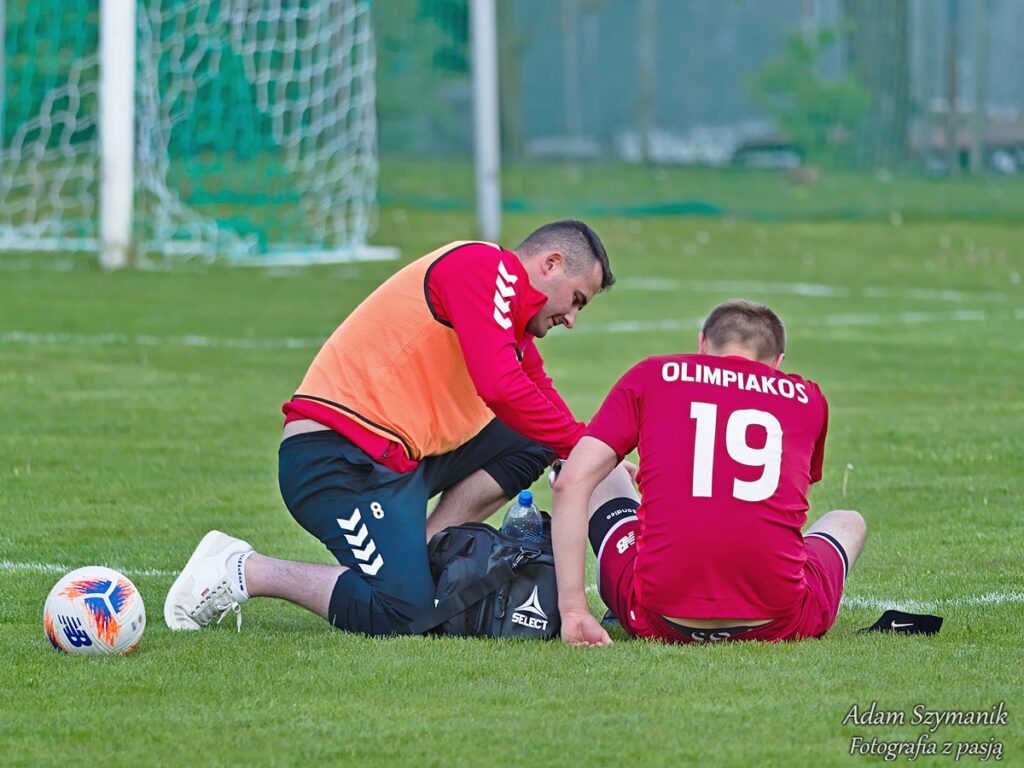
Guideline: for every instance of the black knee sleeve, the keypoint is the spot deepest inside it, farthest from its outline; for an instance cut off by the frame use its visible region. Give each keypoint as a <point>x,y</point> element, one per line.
<point>607,517</point>
<point>519,468</point>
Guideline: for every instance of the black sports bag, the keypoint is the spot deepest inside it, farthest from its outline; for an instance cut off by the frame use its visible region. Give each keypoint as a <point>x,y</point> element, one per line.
<point>491,585</point>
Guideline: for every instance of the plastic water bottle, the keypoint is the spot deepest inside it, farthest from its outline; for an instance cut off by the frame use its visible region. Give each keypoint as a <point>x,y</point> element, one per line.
<point>523,520</point>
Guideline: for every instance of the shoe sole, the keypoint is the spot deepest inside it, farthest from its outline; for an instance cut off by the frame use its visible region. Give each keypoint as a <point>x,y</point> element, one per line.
<point>201,551</point>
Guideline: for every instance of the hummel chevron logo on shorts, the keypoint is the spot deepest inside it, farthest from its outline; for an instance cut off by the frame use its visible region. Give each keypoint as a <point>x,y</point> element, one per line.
<point>358,539</point>
<point>505,290</point>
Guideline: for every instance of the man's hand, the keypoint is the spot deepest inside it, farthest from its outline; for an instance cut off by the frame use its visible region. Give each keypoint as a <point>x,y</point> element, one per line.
<point>590,463</point>
<point>584,630</point>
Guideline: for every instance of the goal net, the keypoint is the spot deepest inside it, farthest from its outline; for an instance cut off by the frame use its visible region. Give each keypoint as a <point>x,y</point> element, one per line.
<point>254,123</point>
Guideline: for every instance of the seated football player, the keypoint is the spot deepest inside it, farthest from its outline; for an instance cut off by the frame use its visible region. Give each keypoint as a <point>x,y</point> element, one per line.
<point>712,548</point>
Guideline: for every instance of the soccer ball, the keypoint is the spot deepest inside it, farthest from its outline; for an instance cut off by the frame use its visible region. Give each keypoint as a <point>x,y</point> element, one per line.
<point>94,610</point>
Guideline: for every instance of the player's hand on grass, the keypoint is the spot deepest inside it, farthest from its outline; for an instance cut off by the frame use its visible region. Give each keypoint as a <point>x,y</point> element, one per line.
<point>584,630</point>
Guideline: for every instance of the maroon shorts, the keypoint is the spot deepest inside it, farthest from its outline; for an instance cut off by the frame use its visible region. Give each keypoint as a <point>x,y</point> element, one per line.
<point>613,531</point>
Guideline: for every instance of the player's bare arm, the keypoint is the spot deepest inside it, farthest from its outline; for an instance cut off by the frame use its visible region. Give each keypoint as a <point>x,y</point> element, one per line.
<point>589,463</point>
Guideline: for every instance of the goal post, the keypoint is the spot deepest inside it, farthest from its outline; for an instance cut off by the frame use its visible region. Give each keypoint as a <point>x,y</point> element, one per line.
<point>162,130</point>
<point>486,118</point>
<point>117,130</point>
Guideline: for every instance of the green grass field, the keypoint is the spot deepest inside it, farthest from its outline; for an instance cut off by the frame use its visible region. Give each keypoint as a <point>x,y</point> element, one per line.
<point>140,409</point>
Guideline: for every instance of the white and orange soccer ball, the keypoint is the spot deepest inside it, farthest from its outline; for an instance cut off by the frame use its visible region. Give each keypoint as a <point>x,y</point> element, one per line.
<point>94,610</point>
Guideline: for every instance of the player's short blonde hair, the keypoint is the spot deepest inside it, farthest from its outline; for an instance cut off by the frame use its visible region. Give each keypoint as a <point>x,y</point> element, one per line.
<point>748,324</point>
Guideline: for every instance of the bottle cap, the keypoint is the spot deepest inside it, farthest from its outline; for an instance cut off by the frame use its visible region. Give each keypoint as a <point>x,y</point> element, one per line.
<point>525,498</point>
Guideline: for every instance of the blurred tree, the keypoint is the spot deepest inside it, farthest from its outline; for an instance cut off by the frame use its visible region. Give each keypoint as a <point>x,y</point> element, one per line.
<point>979,115</point>
<point>820,114</point>
<point>452,18</point>
<point>422,76</point>
<point>647,27</point>
<point>952,88</point>
<point>425,48</point>
<point>878,53</point>
<point>512,41</point>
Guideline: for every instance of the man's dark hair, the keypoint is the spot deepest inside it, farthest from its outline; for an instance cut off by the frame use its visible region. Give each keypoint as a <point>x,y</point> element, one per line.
<point>748,324</point>
<point>578,243</point>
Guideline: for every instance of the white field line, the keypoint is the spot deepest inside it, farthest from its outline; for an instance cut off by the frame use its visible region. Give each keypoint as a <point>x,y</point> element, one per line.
<point>834,321</point>
<point>616,327</point>
<point>636,326</point>
<point>35,265</point>
<point>920,606</point>
<point>122,339</point>
<point>853,601</point>
<point>989,598</point>
<point>62,568</point>
<point>906,318</point>
<point>662,284</point>
<point>740,287</point>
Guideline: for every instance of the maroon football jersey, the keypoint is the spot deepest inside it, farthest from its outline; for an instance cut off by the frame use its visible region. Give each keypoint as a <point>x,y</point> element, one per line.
<point>728,447</point>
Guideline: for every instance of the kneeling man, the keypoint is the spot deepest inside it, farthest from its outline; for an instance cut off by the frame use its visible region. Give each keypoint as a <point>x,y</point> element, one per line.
<point>728,445</point>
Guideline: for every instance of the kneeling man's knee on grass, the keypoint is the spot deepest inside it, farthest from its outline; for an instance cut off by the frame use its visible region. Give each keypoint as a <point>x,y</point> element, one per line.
<point>377,609</point>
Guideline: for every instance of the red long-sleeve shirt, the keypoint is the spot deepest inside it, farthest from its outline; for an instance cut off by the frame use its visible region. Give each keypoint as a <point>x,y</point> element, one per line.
<point>432,355</point>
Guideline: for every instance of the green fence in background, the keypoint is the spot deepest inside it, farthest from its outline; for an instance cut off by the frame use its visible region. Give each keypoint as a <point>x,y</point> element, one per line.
<point>274,126</point>
<point>790,109</point>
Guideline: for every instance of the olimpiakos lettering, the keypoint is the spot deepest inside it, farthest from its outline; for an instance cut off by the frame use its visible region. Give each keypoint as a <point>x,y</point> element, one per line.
<point>706,374</point>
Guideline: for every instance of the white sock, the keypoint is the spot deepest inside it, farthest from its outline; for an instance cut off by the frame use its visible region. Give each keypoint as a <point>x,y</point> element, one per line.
<point>236,575</point>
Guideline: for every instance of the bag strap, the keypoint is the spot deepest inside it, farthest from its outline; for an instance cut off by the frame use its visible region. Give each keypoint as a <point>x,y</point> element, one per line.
<point>473,593</point>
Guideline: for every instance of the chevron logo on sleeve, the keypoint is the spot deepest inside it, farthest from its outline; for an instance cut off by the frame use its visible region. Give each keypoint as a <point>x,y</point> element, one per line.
<point>504,283</point>
<point>504,273</point>
<point>357,539</point>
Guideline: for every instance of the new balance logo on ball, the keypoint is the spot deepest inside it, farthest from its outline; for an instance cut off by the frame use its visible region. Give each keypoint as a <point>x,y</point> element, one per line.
<point>73,631</point>
<point>539,620</point>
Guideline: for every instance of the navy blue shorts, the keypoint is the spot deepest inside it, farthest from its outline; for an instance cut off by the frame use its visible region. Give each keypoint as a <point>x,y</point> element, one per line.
<point>373,520</point>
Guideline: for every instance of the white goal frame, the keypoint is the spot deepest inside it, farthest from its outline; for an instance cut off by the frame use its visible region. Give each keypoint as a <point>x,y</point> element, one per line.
<point>135,216</point>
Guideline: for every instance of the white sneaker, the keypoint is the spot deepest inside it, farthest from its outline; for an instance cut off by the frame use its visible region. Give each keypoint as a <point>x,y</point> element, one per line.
<point>205,590</point>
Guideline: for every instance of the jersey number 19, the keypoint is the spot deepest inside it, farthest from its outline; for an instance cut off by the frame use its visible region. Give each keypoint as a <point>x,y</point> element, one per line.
<point>769,456</point>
